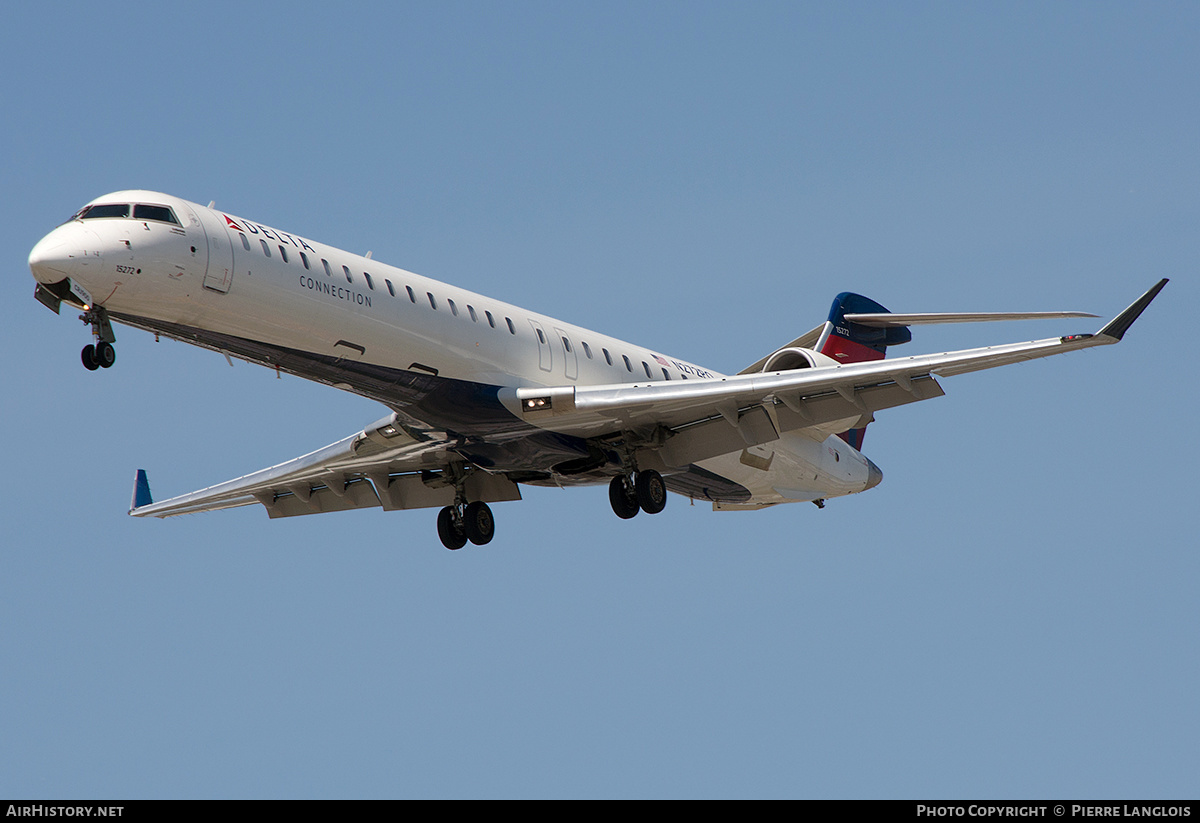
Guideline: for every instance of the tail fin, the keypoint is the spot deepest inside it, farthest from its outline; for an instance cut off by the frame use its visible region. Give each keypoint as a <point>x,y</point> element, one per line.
<point>848,342</point>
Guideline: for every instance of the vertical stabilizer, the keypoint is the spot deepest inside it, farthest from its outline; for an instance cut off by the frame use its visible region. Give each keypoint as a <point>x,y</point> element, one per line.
<point>848,342</point>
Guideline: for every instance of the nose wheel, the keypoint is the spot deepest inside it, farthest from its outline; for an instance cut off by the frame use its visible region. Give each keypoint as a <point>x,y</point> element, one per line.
<point>100,355</point>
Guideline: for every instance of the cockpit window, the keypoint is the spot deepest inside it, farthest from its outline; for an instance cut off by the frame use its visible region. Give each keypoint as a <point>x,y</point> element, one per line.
<point>104,210</point>
<point>160,213</point>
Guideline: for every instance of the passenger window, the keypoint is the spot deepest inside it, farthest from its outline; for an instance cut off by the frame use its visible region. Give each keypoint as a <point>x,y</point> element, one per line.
<point>370,282</point>
<point>511,328</point>
<point>328,270</point>
<point>453,308</point>
<point>304,259</point>
<point>566,345</point>
<point>471,311</point>
<point>411,295</point>
<point>607,356</point>
<point>346,270</point>
<point>646,366</point>
<point>245,242</point>
<point>628,365</point>
<point>266,248</point>
<point>541,337</point>
<point>391,288</point>
<point>491,320</point>
<point>432,302</point>
<point>587,350</point>
<point>665,375</point>
<point>283,253</point>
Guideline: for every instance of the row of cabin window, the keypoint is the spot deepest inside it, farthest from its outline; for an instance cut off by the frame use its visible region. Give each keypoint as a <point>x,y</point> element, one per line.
<point>587,350</point>
<point>412,296</point>
<point>371,284</point>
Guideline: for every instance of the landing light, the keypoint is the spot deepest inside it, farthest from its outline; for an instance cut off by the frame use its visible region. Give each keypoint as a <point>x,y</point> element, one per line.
<point>534,403</point>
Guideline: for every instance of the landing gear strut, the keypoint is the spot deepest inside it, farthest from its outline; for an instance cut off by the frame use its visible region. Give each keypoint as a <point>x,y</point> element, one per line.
<point>100,354</point>
<point>646,491</point>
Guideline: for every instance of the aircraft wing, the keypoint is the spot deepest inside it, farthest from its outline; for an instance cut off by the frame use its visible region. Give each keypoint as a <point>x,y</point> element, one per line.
<point>696,419</point>
<point>383,465</point>
<point>683,422</point>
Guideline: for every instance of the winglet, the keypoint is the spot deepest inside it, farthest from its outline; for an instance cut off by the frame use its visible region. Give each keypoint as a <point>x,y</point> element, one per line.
<point>1120,324</point>
<point>141,492</point>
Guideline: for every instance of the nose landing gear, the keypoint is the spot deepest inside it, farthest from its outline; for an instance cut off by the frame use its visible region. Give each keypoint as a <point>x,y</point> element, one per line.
<point>100,354</point>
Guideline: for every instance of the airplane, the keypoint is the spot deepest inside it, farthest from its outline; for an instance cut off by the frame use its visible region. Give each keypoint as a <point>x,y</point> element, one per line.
<point>484,396</point>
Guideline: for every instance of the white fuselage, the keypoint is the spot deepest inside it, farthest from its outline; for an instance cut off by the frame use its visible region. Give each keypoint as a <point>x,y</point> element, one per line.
<point>222,275</point>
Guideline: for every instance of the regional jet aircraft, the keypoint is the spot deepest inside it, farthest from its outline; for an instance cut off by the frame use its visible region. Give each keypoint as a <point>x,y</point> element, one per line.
<point>484,396</point>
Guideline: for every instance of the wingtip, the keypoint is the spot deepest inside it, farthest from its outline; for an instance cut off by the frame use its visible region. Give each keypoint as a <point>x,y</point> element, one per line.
<point>141,492</point>
<point>1120,324</point>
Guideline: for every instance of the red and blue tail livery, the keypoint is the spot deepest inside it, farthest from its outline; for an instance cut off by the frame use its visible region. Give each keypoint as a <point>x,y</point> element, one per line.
<point>850,342</point>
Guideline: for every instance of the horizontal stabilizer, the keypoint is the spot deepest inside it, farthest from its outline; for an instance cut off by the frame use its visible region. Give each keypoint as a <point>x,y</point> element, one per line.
<point>890,319</point>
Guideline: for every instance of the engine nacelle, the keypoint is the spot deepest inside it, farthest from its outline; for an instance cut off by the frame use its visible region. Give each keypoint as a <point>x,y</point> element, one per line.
<point>796,358</point>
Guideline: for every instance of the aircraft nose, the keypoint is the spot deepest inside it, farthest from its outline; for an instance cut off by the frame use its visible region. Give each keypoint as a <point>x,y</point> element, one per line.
<point>50,259</point>
<point>64,252</point>
<point>874,475</point>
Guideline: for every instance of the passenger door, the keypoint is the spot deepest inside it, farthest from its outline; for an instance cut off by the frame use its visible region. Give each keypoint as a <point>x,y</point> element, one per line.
<point>218,276</point>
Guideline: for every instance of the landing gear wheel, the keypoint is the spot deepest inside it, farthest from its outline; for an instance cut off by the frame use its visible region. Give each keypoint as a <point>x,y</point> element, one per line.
<point>106,355</point>
<point>478,523</point>
<point>88,356</point>
<point>651,491</point>
<point>623,498</point>
<point>450,529</point>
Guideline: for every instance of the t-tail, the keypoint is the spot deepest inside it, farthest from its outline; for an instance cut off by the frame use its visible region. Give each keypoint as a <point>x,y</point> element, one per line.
<point>850,342</point>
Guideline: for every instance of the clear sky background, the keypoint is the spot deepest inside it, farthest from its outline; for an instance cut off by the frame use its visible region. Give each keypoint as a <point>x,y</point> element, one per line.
<point>1012,613</point>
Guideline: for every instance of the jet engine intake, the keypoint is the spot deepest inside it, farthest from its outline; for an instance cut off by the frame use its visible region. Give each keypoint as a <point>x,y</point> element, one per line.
<point>796,358</point>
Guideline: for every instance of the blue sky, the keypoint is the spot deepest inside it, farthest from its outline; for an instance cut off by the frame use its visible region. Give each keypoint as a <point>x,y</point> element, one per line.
<point>1012,613</point>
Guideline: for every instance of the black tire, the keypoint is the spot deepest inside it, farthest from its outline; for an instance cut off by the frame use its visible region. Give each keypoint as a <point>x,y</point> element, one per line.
<point>106,355</point>
<point>450,529</point>
<point>651,491</point>
<point>478,523</point>
<point>623,497</point>
<point>88,356</point>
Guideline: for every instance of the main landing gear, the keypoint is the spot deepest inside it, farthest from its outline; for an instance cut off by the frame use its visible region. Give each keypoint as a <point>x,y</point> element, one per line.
<point>645,491</point>
<point>100,354</point>
<point>458,523</point>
